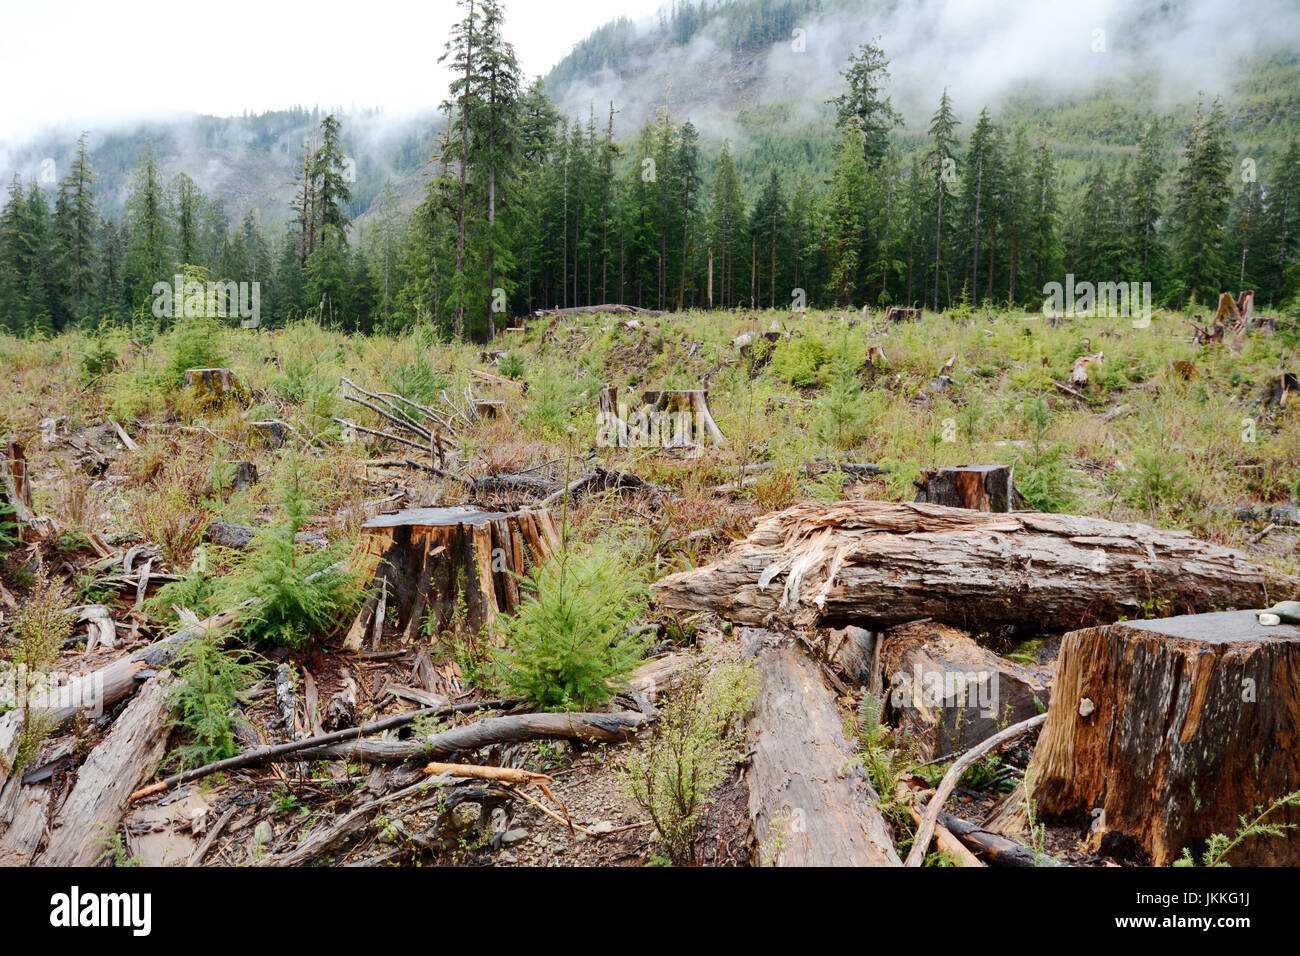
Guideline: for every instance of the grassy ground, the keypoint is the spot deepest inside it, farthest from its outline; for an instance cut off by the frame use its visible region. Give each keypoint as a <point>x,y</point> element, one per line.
<point>1164,431</point>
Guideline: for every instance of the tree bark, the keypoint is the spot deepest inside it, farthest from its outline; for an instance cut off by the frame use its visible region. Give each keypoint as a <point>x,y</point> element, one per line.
<point>876,564</point>
<point>434,558</point>
<point>976,487</point>
<point>810,801</point>
<point>129,754</point>
<point>1173,729</point>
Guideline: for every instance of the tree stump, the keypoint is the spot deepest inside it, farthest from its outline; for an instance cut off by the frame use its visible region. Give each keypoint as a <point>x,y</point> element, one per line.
<point>1172,729</point>
<point>215,384</point>
<point>434,560</point>
<point>895,314</point>
<point>489,408</point>
<point>976,487</point>
<point>689,415</point>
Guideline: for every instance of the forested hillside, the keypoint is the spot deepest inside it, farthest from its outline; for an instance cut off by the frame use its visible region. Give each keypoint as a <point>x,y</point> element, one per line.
<point>864,196</point>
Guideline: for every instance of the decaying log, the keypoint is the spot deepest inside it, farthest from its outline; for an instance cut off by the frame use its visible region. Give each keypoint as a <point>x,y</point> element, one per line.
<point>809,799</point>
<point>877,564</point>
<point>992,847</point>
<point>269,753</point>
<point>518,728</point>
<point>1172,729</point>
<point>948,693</point>
<point>435,558</point>
<point>977,487</point>
<point>129,754</point>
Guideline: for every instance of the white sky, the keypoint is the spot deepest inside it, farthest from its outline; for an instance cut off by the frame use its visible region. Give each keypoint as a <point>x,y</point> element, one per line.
<point>92,63</point>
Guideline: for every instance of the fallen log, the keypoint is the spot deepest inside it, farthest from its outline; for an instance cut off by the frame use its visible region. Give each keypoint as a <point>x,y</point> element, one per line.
<point>130,753</point>
<point>810,802</point>
<point>876,564</point>
<point>266,754</point>
<point>1165,732</point>
<point>489,732</point>
<point>925,831</point>
<point>992,847</point>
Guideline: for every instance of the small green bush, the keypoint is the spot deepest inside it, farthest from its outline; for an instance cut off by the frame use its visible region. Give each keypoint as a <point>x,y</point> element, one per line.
<point>568,643</point>
<point>692,746</point>
<point>202,699</point>
<point>799,361</point>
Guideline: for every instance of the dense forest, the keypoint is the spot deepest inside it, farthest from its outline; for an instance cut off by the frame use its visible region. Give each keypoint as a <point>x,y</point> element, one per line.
<point>529,209</point>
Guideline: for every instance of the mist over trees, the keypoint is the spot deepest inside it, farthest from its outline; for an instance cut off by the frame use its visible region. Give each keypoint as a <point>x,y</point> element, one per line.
<point>531,209</point>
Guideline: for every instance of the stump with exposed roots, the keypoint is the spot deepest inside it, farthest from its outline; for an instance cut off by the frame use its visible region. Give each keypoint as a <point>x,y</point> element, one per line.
<point>439,567</point>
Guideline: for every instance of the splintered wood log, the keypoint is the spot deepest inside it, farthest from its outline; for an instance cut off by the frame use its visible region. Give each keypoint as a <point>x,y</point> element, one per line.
<point>948,693</point>
<point>977,487</point>
<point>215,384</point>
<point>809,799</point>
<point>435,559</point>
<point>877,564</point>
<point>1173,729</point>
<point>129,754</point>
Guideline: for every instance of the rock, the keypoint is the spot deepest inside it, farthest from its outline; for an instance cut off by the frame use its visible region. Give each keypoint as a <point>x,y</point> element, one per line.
<point>263,834</point>
<point>514,836</point>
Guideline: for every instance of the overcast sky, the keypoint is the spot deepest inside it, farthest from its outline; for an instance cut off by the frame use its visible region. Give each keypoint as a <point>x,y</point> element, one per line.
<point>91,63</point>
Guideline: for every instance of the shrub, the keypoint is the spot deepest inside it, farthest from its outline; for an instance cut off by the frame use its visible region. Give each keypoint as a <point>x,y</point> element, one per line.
<point>1042,477</point>
<point>568,642</point>
<point>202,698</point>
<point>40,627</point>
<point>799,361</point>
<point>512,365</point>
<point>691,748</point>
<point>841,413</point>
<point>298,593</point>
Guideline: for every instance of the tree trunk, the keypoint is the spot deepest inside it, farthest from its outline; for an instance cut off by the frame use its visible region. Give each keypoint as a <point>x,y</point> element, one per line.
<point>1174,729</point>
<point>876,564</point>
<point>977,487</point>
<point>433,559</point>
<point>810,801</point>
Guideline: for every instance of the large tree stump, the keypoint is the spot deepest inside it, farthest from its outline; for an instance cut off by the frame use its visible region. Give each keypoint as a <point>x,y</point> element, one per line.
<point>434,560</point>
<point>1172,729</point>
<point>215,384</point>
<point>977,487</point>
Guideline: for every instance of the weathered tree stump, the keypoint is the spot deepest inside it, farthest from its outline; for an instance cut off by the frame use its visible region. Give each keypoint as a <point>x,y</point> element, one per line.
<point>690,409</point>
<point>895,314</point>
<point>1172,729</point>
<point>949,693</point>
<point>215,384</point>
<point>433,561</point>
<point>668,419</point>
<point>489,408</point>
<point>272,433</point>
<point>977,487</point>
